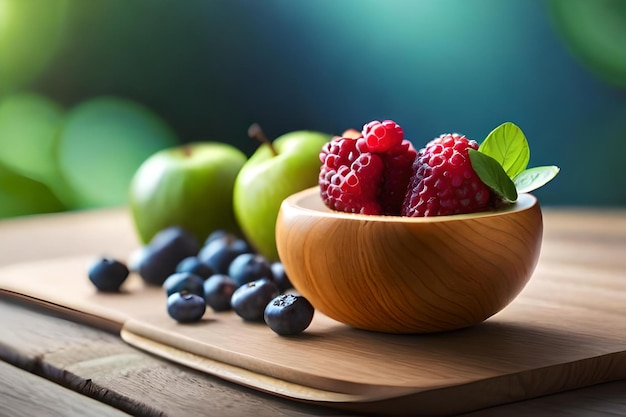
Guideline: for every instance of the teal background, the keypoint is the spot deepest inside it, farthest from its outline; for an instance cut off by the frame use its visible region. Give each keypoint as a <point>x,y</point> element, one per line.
<point>211,68</point>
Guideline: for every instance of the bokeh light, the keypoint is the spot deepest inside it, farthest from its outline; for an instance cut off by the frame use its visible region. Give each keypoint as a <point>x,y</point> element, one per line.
<point>211,68</point>
<point>31,33</point>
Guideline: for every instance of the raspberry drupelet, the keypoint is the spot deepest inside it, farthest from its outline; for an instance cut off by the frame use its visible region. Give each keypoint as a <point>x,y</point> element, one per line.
<point>444,181</point>
<point>367,174</point>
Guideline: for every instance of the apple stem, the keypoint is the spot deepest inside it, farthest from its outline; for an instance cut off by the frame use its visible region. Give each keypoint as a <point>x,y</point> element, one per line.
<point>255,132</point>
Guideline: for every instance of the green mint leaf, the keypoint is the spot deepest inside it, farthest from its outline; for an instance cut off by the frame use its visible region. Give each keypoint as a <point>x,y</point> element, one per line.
<point>508,146</point>
<point>492,174</point>
<point>533,178</point>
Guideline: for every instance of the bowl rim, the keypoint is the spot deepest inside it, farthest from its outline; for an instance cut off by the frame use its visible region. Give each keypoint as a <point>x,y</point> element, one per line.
<point>524,202</point>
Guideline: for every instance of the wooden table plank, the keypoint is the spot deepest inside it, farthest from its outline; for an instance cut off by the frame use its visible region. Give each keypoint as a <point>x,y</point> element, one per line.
<point>602,400</point>
<point>101,365</point>
<point>25,394</point>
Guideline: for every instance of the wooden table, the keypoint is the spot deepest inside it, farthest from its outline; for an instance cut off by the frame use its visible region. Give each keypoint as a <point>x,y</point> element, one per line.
<point>48,361</point>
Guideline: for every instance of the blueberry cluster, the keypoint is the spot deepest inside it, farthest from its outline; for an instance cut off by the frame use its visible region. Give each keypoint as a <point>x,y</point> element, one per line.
<point>224,273</point>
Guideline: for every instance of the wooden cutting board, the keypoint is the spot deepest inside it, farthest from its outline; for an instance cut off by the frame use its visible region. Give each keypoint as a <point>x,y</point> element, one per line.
<point>566,330</point>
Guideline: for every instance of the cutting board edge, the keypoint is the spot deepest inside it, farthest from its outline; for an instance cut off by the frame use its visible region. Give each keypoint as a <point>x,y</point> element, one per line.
<point>400,401</point>
<point>79,316</point>
<point>435,397</point>
<point>234,373</point>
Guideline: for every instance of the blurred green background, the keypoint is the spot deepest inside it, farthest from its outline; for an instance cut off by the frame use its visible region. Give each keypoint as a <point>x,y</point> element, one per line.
<point>90,89</point>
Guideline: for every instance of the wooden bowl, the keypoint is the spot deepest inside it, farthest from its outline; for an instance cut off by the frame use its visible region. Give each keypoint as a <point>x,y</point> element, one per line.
<point>408,275</point>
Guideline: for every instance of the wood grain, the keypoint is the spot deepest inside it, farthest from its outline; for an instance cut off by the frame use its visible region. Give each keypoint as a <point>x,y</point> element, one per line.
<point>538,345</point>
<point>408,275</point>
<point>590,323</point>
<point>601,400</point>
<point>23,393</point>
<point>101,366</point>
<point>68,350</point>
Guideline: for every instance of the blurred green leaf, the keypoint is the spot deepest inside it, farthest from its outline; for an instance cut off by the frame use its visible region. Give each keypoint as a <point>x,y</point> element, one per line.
<point>594,31</point>
<point>103,143</point>
<point>31,33</point>
<point>21,196</point>
<point>29,126</point>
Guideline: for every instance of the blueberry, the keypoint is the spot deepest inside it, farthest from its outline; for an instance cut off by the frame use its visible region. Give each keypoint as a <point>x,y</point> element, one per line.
<point>196,266</point>
<point>219,253</point>
<point>107,274</point>
<point>219,234</point>
<point>250,299</point>
<point>184,282</point>
<point>161,256</point>
<point>185,307</point>
<point>228,237</point>
<point>218,290</point>
<point>288,314</point>
<point>280,277</point>
<point>249,267</point>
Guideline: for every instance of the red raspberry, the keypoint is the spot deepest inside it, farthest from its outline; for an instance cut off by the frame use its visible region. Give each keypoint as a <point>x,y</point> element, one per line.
<point>380,137</point>
<point>444,181</point>
<point>399,170</point>
<point>350,180</point>
<point>369,174</point>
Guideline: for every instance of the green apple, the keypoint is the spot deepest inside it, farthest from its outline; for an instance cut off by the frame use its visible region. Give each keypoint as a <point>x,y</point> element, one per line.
<point>274,172</point>
<point>103,142</point>
<point>188,185</point>
<point>21,196</point>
